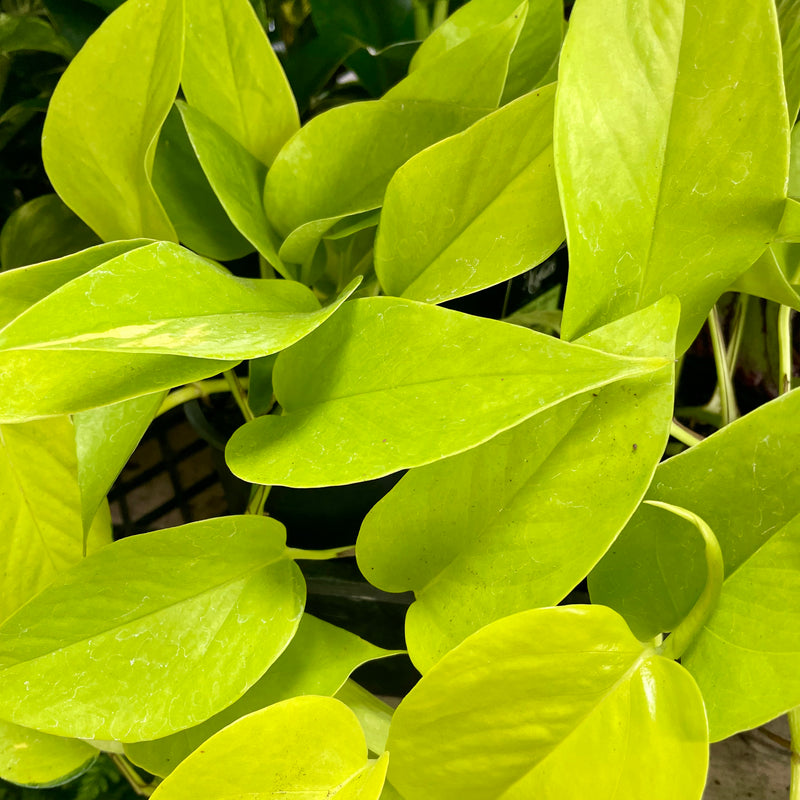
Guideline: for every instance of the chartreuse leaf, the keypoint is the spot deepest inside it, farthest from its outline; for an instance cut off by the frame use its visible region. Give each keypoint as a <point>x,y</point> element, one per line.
<point>41,229</point>
<point>767,278</point>
<point>536,50</point>
<point>312,181</point>
<point>105,438</point>
<point>673,179</point>
<point>125,322</point>
<point>317,661</point>
<point>38,759</point>
<point>306,747</point>
<point>154,633</point>
<point>21,288</point>
<point>573,706</point>
<point>99,137</point>
<point>789,22</point>
<point>232,75</point>
<point>391,384</point>
<point>237,178</point>
<point>654,572</point>
<point>40,517</point>
<point>198,216</point>
<point>475,209</point>
<point>373,714</point>
<point>40,508</point>
<point>518,521</point>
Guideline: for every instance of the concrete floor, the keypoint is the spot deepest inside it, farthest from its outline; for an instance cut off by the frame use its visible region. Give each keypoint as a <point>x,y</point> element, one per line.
<point>750,765</point>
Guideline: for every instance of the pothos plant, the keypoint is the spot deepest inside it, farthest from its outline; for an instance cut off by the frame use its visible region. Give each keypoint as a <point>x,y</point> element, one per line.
<point>656,142</point>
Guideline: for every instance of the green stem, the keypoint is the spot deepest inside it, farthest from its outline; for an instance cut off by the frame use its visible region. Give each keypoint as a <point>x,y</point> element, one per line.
<point>265,269</point>
<point>724,377</point>
<point>239,394</point>
<point>193,391</point>
<point>737,330</point>
<point>683,434</point>
<point>422,20</point>
<point>138,784</point>
<point>694,621</point>
<point>794,730</point>
<point>258,500</point>
<point>785,349</point>
<point>321,555</point>
<point>505,300</point>
<point>441,9</point>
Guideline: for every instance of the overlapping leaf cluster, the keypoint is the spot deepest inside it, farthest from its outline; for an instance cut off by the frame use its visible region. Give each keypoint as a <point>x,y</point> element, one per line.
<point>657,143</point>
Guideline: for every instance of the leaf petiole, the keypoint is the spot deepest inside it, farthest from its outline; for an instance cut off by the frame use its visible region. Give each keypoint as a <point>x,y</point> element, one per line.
<point>694,621</point>
<point>321,555</point>
<point>730,411</point>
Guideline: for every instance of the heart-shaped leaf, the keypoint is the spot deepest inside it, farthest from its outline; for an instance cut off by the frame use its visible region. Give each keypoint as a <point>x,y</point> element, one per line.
<point>655,571</point>
<point>673,179</point>
<point>311,181</point>
<point>153,634</point>
<point>357,406</point>
<point>475,209</point>
<point>317,661</point>
<point>517,522</point>
<point>309,747</point>
<point>551,703</point>
<point>99,138</point>
<point>232,75</point>
<point>125,322</point>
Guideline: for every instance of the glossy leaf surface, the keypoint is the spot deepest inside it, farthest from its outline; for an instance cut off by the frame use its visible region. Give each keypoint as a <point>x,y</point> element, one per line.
<point>37,759</point>
<point>312,181</point>
<point>153,634</point>
<point>232,75</point>
<point>237,178</point>
<point>373,714</point>
<point>475,209</point>
<point>534,54</point>
<point>572,707</point>
<point>671,150</point>
<point>789,20</point>
<point>40,230</point>
<point>105,438</point>
<point>307,747</point>
<point>356,407</point>
<point>182,305</point>
<point>317,661</point>
<point>655,570</point>
<point>22,287</point>
<point>517,522</point>
<point>198,216</point>
<point>40,508</point>
<point>767,278</point>
<point>99,139</point>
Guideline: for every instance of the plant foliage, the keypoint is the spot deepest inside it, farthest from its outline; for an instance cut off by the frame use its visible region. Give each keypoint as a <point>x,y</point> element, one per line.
<point>198,228</point>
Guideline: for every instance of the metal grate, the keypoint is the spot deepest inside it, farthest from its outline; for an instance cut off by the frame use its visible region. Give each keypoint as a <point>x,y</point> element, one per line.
<point>170,479</point>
